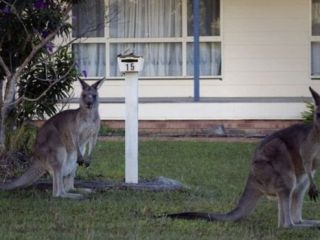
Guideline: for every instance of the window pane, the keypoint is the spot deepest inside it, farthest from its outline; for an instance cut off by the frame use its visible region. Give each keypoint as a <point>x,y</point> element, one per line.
<point>210,59</point>
<point>146,18</point>
<point>316,17</point>
<point>209,17</point>
<point>160,59</point>
<point>88,19</point>
<point>315,58</point>
<point>90,57</point>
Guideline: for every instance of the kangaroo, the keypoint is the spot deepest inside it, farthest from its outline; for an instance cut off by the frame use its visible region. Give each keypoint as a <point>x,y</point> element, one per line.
<point>282,167</point>
<point>63,140</point>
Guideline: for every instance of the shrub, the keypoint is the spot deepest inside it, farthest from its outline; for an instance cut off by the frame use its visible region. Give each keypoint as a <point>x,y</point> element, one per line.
<point>307,116</point>
<point>19,144</point>
<point>55,77</point>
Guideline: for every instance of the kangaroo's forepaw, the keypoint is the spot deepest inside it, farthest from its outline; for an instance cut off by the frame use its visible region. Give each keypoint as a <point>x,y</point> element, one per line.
<point>80,160</point>
<point>83,162</point>
<point>87,163</point>
<point>313,192</point>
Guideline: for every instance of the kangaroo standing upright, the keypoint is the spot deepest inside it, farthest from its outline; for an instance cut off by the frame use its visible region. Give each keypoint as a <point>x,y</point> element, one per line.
<point>283,166</point>
<point>64,139</point>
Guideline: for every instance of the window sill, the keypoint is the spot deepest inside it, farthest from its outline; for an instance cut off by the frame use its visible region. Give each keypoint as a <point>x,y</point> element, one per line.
<point>219,78</point>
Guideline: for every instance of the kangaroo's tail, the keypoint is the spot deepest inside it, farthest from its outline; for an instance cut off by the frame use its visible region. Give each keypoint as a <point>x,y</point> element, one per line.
<point>245,206</point>
<point>29,177</point>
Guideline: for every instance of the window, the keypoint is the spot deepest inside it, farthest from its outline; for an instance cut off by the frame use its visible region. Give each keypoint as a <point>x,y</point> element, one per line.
<point>159,30</point>
<point>315,43</point>
<point>88,22</point>
<point>88,19</point>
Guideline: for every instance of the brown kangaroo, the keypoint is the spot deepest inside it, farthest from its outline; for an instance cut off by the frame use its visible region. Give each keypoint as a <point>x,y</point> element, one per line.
<point>63,140</point>
<point>283,166</point>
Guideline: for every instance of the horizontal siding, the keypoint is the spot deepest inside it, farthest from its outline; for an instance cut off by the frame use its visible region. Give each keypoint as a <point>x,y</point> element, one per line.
<point>152,88</point>
<point>264,38</point>
<point>267,25</point>
<point>264,9</point>
<point>266,48</point>
<point>267,65</point>
<point>256,90</point>
<point>267,51</point>
<point>214,88</point>
<point>268,78</point>
<point>205,111</point>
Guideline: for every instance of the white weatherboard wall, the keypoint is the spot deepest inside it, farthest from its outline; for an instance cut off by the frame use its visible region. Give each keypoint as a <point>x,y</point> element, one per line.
<point>266,53</point>
<point>208,111</point>
<point>266,47</point>
<point>205,111</point>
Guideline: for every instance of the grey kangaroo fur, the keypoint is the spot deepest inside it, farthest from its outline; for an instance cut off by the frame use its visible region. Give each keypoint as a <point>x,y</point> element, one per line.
<point>63,140</point>
<point>282,167</point>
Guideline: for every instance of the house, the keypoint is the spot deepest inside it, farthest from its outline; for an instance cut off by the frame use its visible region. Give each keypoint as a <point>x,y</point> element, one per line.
<point>257,59</point>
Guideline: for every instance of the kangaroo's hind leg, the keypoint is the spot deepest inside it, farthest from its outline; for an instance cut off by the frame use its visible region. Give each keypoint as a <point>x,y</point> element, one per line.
<point>58,187</point>
<point>284,209</point>
<point>71,165</point>
<point>297,203</point>
<point>58,178</point>
<point>69,184</point>
<point>68,180</point>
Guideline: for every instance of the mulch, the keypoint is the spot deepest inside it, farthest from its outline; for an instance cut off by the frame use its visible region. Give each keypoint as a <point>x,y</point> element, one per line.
<point>155,185</point>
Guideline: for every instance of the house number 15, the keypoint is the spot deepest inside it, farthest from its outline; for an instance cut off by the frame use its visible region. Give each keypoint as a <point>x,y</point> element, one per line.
<point>130,66</point>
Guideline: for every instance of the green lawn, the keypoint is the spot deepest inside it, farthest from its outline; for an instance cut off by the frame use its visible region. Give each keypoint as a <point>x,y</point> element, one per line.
<point>214,172</point>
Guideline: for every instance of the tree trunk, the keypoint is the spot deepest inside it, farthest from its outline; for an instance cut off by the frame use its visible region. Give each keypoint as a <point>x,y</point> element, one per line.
<point>6,103</point>
<point>2,131</point>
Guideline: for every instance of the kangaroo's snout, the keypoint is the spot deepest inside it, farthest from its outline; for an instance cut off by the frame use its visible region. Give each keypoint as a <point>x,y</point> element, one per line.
<point>89,99</point>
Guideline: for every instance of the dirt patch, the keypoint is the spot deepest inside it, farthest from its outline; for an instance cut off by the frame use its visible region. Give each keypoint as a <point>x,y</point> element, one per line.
<point>13,164</point>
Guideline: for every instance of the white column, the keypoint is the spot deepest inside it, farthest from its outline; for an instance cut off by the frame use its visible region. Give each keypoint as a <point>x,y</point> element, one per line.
<point>131,127</point>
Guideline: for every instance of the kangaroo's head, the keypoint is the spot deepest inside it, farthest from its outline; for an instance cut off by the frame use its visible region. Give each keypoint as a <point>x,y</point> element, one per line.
<point>316,98</point>
<point>89,96</point>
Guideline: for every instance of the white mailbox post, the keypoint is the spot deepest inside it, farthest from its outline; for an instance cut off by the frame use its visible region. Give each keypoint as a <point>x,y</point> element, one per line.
<point>130,65</point>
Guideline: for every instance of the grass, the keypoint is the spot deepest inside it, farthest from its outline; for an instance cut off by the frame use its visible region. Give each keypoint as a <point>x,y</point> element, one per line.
<point>214,172</point>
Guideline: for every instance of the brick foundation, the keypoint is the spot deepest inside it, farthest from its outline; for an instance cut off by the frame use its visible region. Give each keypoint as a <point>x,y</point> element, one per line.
<point>249,128</point>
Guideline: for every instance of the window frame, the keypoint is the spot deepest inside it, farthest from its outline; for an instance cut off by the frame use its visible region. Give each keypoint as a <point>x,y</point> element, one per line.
<point>184,40</point>
<point>313,39</point>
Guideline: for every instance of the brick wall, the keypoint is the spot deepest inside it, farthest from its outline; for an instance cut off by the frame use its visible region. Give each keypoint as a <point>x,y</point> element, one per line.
<point>249,128</point>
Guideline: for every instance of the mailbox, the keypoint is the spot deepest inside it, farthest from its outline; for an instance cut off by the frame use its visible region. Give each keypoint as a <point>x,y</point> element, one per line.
<point>130,63</point>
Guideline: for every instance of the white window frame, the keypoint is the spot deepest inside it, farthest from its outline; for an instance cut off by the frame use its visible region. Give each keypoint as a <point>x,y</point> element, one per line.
<point>184,40</point>
<point>312,40</point>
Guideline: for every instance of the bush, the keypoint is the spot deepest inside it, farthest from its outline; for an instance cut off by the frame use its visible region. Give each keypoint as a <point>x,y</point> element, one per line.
<point>22,139</point>
<point>307,116</point>
<point>105,130</point>
<point>55,77</point>
<point>19,144</point>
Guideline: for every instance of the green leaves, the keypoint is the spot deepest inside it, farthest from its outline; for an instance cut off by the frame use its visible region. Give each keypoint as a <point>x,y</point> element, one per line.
<point>54,77</point>
<point>27,23</point>
<point>307,115</point>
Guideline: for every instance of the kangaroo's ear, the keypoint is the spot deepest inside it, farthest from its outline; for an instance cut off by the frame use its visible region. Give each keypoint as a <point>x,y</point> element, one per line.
<point>98,83</point>
<point>83,83</point>
<point>315,96</point>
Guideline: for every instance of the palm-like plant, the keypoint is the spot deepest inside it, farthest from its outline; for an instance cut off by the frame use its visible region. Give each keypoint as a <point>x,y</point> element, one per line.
<point>307,115</point>
<point>45,86</point>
